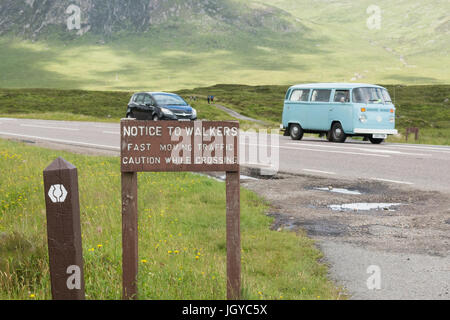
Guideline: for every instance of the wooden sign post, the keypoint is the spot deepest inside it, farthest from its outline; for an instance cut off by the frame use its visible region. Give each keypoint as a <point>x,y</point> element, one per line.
<point>172,146</point>
<point>64,231</point>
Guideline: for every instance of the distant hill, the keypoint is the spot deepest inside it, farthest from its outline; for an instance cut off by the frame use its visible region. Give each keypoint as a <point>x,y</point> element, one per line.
<point>38,19</point>
<point>173,44</point>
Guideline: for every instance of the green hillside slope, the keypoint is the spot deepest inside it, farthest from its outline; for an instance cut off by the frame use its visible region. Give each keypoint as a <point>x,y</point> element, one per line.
<point>231,41</point>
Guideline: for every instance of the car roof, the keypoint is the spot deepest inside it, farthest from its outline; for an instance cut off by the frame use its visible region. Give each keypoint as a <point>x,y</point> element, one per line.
<point>334,85</point>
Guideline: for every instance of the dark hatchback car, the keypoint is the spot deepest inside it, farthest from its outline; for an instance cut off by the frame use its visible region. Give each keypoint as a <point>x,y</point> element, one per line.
<point>159,106</point>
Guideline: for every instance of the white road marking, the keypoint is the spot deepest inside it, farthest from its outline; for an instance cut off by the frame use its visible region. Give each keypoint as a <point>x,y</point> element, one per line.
<point>361,149</point>
<point>433,149</point>
<point>111,132</point>
<point>61,141</point>
<point>112,126</point>
<point>393,181</point>
<point>8,119</point>
<point>47,127</point>
<point>319,171</point>
<point>318,150</point>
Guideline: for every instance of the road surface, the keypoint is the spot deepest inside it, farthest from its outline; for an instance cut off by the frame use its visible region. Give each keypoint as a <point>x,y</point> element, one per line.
<point>422,166</point>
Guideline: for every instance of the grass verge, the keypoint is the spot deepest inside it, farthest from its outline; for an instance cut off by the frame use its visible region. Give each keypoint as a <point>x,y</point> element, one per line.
<point>181,229</point>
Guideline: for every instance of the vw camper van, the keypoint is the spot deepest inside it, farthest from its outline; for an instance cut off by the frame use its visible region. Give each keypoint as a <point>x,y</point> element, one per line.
<point>339,110</point>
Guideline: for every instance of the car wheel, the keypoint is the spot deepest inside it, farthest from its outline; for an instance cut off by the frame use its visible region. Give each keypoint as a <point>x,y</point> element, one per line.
<point>296,132</point>
<point>131,116</point>
<point>376,141</point>
<point>337,133</point>
<point>155,117</point>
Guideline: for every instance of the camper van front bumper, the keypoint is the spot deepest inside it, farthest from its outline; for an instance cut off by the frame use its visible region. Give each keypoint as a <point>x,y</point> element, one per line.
<point>375,131</point>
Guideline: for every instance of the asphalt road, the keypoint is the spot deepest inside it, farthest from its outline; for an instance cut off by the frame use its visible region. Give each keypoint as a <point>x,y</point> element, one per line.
<point>410,245</point>
<point>421,166</point>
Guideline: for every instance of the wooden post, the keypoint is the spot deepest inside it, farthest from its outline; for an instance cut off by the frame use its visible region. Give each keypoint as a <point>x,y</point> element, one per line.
<point>129,235</point>
<point>414,130</point>
<point>233,236</point>
<point>142,141</point>
<point>64,231</point>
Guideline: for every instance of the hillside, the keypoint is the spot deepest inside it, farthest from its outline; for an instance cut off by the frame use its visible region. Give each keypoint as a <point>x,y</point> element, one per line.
<point>173,44</point>
<point>41,19</point>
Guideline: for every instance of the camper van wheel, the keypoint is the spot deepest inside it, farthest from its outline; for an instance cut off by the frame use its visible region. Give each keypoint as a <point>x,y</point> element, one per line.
<point>376,141</point>
<point>330,136</point>
<point>296,132</point>
<point>337,133</point>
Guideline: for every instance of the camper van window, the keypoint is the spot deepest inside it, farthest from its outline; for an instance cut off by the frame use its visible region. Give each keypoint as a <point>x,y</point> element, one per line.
<point>321,96</point>
<point>342,96</point>
<point>300,95</point>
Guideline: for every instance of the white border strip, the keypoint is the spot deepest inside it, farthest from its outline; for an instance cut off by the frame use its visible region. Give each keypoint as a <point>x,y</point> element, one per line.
<point>46,127</point>
<point>84,144</point>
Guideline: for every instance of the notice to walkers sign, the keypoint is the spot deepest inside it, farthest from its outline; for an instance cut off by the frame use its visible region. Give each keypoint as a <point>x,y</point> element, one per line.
<point>149,146</point>
<point>168,146</point>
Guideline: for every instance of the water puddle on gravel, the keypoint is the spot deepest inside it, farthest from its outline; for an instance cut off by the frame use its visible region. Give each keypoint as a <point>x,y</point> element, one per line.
<point>364,206</point>
<point>339,190</point>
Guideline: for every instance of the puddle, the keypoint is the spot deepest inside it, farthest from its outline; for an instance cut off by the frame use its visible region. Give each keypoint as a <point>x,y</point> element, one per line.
<point>322,227</point>
<point>364,206</point>
<point>339,190</point>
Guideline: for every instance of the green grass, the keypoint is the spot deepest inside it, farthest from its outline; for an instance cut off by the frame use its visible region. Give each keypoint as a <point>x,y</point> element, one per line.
<point>426,136</point>
<point>181,229</point>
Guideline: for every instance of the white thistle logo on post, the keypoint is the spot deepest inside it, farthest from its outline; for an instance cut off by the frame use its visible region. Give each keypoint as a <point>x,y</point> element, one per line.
<point>374,281</point>
<point>57,193</point>
<point>74,21</point>
<point>374,21</point>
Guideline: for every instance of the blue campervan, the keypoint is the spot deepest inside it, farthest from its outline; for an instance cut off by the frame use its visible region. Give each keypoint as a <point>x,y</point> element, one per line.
<point>339,110</point>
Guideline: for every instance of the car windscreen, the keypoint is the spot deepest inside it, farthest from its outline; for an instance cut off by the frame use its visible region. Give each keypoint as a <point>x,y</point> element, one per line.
<point>371,95</point>
<point>166,99</point>
<point>386,96</point>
